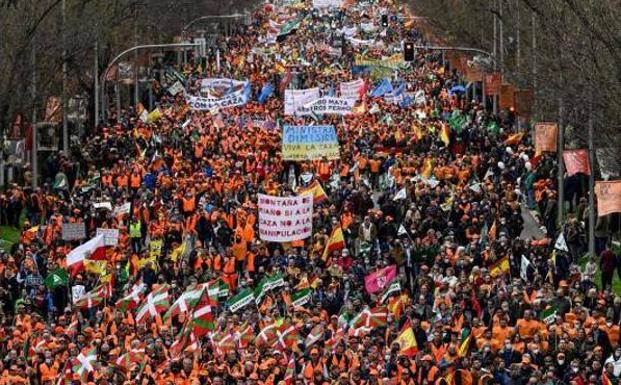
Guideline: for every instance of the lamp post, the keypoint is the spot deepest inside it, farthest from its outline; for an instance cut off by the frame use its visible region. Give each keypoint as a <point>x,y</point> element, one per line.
<point>119,56</point>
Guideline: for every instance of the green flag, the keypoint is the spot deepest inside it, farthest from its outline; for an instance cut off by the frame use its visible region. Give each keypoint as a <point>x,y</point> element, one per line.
<point>548,315</point>
<point>56,279</point>
<point>300,298</point>
<point>240,300</point>
<point>394,287</point>
<point>457,121</point>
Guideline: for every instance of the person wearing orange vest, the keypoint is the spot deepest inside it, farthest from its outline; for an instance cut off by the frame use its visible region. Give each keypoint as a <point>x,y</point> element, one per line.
<point>188,204</point>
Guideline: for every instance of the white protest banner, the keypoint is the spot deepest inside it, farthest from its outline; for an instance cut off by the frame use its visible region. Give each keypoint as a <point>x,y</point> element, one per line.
<point>285,219</point>
<point>351,90</point>
<point>419,97</point>
<point>295,101</point>
<point>77,293</point>
<point>122,209</point>
<point>111,236</point>
<point>331,105</point>
<point>218,87</point>
<point>237,98</point>
<point>327,3</point>
<point>102,205</point>
<point>73,231</point>
<point>176,88</point>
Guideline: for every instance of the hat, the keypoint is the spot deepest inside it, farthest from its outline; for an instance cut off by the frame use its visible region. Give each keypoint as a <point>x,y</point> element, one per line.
<point>427,357</point>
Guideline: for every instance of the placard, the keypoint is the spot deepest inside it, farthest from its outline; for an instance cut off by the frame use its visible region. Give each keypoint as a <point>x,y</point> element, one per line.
<point>507,96</point>
<point>199,103</point>
<point>576,161</point>
<point>296,100</point>
<point>111,236</point>
<point>285,219</point>
<point>309,143</point>
<point>492,84</point>
<point>608,197</point>
<point>545,137</point>
<point>73,231</point>
<point>327,3</point>
<point>331,105</point>
<point>352,89</point>
<point>219,87</point>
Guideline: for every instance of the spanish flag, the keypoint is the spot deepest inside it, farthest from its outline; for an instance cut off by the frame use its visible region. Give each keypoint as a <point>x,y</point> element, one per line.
<point>514,139</point>
<point>427,168</point>
<point>361,108</point>
<point>336,242</point>
<point>319,195</point>
<point>445,135</point>
<point>605,379</point>
<point>500,266</point>
<point>491,235</point>
<point>417,131</point>
<point>407,341</point>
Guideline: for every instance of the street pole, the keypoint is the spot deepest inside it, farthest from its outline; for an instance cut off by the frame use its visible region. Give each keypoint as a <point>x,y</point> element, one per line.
<point>591,178</point>
<point>561,164</point>
<point>64,87</point>
<point>104,76</point>
<point>494,103</point>
<point>34,157</point>
<point>517,36</point>
<point>96,87</point>
<point>533,53</point>
<point>501,45</point>
<point>136,84</point>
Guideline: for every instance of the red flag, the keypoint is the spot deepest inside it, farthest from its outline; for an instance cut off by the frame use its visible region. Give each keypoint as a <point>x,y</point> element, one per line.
<point>380,279</point>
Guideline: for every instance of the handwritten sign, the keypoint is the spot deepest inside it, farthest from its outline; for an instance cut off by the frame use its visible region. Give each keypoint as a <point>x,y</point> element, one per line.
<point>111,236</point>
<point>309,143</point>
<point>73,231</point>
<point>608,197</point>
<point>285,219</point>
<point>545,137</point>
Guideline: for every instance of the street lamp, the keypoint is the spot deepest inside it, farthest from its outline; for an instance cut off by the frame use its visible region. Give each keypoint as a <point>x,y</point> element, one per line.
<point>185,28</point>
<point>119,56</point>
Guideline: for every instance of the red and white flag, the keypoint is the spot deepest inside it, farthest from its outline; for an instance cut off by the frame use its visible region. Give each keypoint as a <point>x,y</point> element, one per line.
<point>95,249</point>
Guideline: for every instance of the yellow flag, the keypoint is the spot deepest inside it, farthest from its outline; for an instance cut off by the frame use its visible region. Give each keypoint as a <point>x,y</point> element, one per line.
<point>95,267</point>
<point>177,252</point>
<point>427,168</point>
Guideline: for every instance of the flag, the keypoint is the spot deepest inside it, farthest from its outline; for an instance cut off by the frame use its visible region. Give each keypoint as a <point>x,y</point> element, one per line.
<point>266,336</point>
<point>560,243</point>
<point>380,279</point>
<point>285,80</point>
<point>267,284</point>
<point>266,92</point>
<point>245,335</point>
<point>605,379</point>
<point>241,299</point>
<point>549,315</point>
<point>217,288</point>
<point>514,139</point>
<point>445,135</point>
<point>93,298</point>
<point>371,318</point>
<point>493,127</point>
<point>382,89</point>
<point>336,242</point>
<point>133,299</point>
<point>83,363</point>
<point>186,302</point>
<point>134,356</point>
<point>394,287</point>
<point>399,90</point>
<point>313,336</point>
<point>56,278</point>
<point>179,251</point>
<point>203,319</point>
<point>397,305</point>
<point>154,115</point>
<point>95,267</point>
<point>286,336</point>
<point>407,341</point>
<point>156,302</point>
<point>457,121</point>
<point>94,249</point>
<point>300,298</point>
<point>524,264</point>
<point>500,266</point>
<point>361,108</point>
<point>465,344</point>
<point>400,195</point>
<point>427,168</point>
<point>402,230</point>
<point>319,195</point>
<point>491,235</point>
<point>290,371</point>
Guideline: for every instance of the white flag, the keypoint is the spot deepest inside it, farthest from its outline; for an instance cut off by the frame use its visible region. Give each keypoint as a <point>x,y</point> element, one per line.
<point>402,194</point>
<point>560,243</point>
<point>402,230</point>
<point>524,268</point>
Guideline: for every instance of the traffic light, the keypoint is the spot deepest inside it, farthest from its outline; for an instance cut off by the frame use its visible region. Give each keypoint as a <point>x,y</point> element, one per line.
<point>408,51</point>
<point>384,21</point>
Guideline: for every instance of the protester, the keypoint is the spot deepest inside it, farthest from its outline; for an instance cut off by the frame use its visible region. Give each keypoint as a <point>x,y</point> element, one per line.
<point>416,272</point>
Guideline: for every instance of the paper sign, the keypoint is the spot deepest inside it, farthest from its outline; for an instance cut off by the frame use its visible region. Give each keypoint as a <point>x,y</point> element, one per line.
<point>608,197</point>
<point>77,292</point>
<point>351,90</point>
<point>285,219</point>
<point>309,143</point>
<point>576,161</point>
<point>296,100</point>
<point>73,231</point>
<point>330,105</point>
<point>111,236</point>
<point>103,205</point>
<point>176,88</point>
<point>507,96</point>
<point>545,137</point>
<point>492,84</point>
<point>327,3</point>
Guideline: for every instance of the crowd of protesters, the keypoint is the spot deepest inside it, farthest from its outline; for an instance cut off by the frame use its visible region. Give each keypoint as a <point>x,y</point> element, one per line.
<point>484,304</point>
